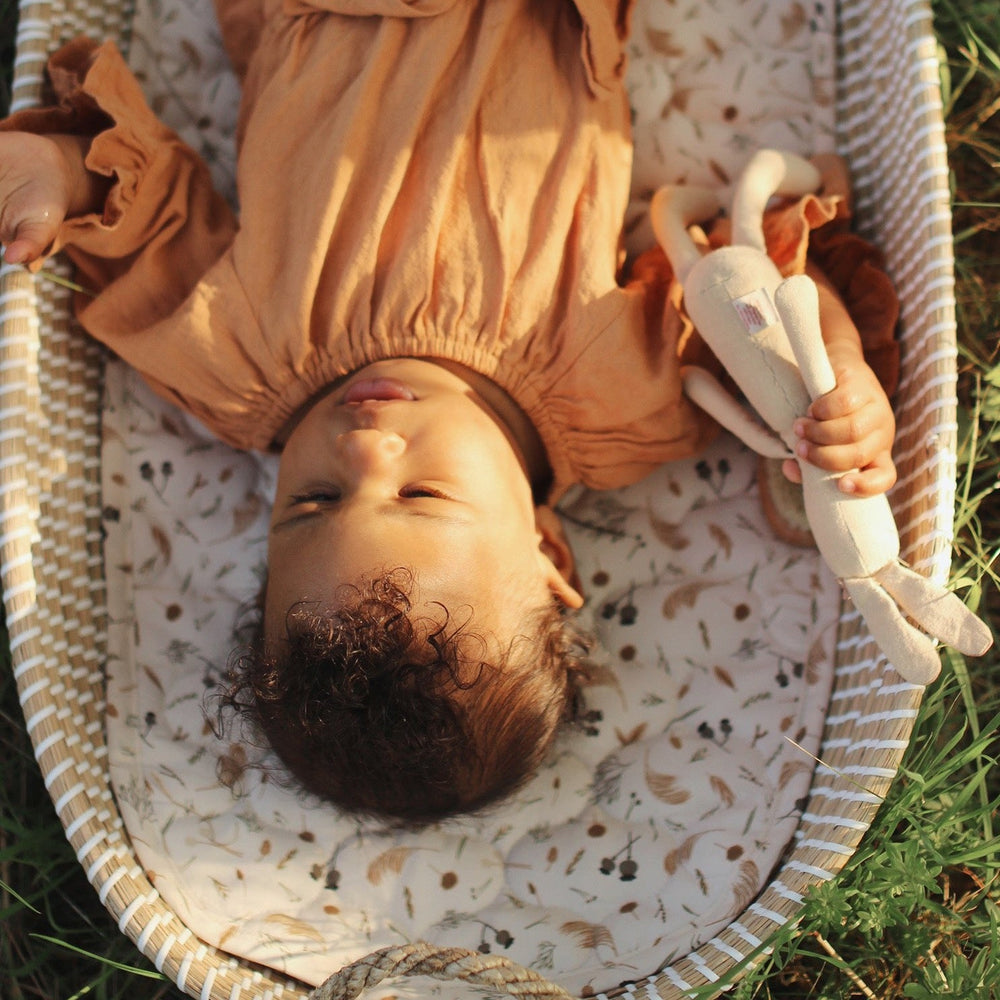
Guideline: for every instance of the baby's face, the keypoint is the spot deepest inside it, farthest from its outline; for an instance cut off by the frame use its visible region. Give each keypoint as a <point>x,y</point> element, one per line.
<point>404,465</point>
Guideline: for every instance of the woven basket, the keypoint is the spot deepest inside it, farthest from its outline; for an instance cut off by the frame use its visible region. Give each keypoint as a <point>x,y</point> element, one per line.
<point>890,130</point>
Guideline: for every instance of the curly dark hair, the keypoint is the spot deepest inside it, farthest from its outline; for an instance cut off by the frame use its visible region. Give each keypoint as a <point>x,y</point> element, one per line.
<point>401,718</point>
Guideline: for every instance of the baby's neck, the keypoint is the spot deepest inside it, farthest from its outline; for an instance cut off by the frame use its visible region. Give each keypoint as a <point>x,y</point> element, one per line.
<point>521,431</point>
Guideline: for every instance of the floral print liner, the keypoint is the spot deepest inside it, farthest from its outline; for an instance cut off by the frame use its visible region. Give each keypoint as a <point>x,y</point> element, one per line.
<point>665,810</point>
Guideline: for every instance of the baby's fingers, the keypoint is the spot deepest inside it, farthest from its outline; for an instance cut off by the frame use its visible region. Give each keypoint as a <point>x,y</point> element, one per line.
<point>872,427</point>
<point>878,477</point>
<point>841,457</point>
<point>29,241</point>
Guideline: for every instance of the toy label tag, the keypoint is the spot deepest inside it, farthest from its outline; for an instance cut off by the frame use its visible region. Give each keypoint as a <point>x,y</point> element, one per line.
<point>755,310</point>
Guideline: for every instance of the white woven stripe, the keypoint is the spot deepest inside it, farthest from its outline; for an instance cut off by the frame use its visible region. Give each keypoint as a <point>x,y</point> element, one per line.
<point>110,882</point>
<point>142,941</point>
<point>184,971</point>
<point>772,915</point>
<point>702,966</point>
<point>856,746</point>
<point>827,845</point>
<point>206,988</point>
<point>163,954</point>
<point>88,845</point>
<point>858,772</point>
<point>675,977</point>
<point>53,776</point>
<point>719,945</point>
<point>651,991</point>
<point>844,795</point>
<point>751,939</point>
<point>779,887</point>
<point>814,870</point>
<point>848,822</point>
<point>874,719</point>
<point>39,717</point>
<point>82,820</point>
<point>130,911</point>
<point>106,858</point>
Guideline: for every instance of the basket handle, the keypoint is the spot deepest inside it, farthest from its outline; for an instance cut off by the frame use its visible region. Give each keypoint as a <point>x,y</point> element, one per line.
<point>424,959</point>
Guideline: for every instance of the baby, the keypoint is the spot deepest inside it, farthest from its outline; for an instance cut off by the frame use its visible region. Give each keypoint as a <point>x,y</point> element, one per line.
<point>419,307</point>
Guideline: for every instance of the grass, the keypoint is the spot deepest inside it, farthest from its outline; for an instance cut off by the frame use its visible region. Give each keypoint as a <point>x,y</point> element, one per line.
<point>916,912</point>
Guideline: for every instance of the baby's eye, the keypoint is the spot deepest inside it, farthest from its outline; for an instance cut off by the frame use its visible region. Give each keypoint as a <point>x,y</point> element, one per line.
<point>317,496</point>
<point>422,491</point>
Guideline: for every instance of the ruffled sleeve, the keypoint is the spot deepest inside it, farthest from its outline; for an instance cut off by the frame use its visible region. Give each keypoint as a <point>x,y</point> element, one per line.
<point>162,224</point>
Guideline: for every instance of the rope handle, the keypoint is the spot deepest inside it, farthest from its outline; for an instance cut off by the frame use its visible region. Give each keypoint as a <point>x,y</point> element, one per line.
<point>424,959</point>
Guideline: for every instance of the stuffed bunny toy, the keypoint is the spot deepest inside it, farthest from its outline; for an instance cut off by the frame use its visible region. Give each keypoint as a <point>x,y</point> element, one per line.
<point>765,330</point>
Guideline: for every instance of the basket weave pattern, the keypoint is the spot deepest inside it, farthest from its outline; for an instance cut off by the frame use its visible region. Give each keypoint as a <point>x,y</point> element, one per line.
<point>891,132</point>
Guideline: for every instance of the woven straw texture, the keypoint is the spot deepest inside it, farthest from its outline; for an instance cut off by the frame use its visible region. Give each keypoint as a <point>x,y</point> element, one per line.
<point>890,130</point>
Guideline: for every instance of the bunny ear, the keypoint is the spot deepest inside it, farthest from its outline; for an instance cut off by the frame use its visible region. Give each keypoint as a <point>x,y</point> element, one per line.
<point>671,211</point>
<point>704,389</point>
<point>910,651</point>
<point>797,302</point>
<point>936,610</point>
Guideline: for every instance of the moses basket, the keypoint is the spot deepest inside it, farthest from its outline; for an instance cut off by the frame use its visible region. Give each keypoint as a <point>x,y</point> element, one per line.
<point>890,131</point>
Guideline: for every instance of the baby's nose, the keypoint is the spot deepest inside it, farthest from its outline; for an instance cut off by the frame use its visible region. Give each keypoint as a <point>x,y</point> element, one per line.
<point>368,449</point>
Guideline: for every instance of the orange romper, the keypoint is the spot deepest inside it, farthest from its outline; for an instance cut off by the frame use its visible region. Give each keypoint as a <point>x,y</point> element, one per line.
<point>424,178</point>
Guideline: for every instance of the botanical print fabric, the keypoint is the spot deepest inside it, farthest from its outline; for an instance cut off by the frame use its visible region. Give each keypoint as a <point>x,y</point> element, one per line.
<point>666,809</point>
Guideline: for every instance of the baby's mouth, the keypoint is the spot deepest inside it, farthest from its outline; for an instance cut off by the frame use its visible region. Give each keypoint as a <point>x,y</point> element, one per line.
<point>377,389</point>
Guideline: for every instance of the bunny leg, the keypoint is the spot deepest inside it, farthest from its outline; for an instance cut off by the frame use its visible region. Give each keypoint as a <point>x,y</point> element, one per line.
<point>936,610</point>
<point>910,651</point>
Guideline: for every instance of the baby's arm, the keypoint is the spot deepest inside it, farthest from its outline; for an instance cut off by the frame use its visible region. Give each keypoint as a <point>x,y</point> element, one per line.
<point>43,181</point>
<point>130,203</point>
<point>852,427</point>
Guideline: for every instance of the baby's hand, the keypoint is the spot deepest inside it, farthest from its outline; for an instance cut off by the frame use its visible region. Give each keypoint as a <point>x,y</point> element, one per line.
<point>37,186</point>
<point>850,428</point>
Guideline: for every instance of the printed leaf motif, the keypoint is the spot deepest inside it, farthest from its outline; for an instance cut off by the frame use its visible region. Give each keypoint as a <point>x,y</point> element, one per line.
<point>719,171</point>
<point>668,533</point>
<point>294,926</point>
<point>791,768</point>
<point>681,853</point>
<point>632,736</point>
<point>721,789</point>
<point>723,675</point>
<point>793,22</point>
<point>588,935</point>
<point>662,42</point>
<point>245,513</point>
<point>154,679</point>
<point>721,537</point>
<point>191,53</point>
<point>227,934</point>
<point>232,766</point>
<point>664,786</point>
<point>162,540</point>
<point>389,862</point>
<point>601,675</point>
<point>685,596</point>
<point>168,426</point>
<point>814,659</point>
<point>746,886</point>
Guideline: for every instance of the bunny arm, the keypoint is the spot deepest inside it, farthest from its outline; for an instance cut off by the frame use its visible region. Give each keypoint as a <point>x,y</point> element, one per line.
<point>704,389</point>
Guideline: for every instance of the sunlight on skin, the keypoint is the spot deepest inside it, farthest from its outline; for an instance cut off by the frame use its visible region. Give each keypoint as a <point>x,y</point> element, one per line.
<point>405,464</point>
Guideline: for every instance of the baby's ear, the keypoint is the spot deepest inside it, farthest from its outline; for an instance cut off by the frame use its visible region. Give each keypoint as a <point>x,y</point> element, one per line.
<point>557,558</point>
